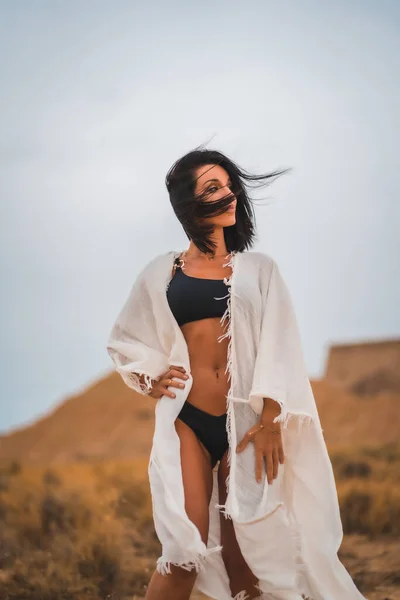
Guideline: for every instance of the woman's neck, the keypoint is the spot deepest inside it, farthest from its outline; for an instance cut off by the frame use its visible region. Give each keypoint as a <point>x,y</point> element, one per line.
<point>219,250</point>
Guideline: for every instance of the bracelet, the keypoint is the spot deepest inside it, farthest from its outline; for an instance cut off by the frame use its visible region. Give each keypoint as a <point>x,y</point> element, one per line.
<point>269,429</point>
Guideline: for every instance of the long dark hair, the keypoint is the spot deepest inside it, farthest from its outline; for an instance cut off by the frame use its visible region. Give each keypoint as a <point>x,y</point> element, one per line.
<point>190,207</point>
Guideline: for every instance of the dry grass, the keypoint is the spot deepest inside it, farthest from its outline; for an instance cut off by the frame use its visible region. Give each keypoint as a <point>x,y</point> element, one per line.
<point>85,531</point>
<point>368,484</point>
<point>80,532</point>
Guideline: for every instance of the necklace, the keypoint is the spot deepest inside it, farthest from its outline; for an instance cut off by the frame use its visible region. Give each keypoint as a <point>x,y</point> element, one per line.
<point>180,262</point>
<point>184,255</point>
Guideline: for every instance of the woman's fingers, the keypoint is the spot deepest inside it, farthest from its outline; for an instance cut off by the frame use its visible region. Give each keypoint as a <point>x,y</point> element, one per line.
<point>168,380</point>
<point>166,384</point>
<point>242,444</point>
<point>166,392</point>
<point>268,460</point>
<point>179,374</point>
<point>175,371</point>
<point>259,464</point>
<point>272,464</point>
<point>275,462</point>
<point>248,436</point>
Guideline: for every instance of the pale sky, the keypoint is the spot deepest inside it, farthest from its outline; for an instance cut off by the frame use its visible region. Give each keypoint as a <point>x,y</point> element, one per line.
<point>100,98</point>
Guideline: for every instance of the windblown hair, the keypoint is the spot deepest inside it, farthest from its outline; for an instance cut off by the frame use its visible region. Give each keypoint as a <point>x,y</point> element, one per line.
<point>191,209</point>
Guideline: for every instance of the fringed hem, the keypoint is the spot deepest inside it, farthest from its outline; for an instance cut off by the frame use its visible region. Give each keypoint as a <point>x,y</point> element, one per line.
<point>196,562</point>
<point>132,380</point>
<point>222,507</point>
<point>278,396</point>
<point>228,333</point>
<point>242,596</point>
<point>275,594</point>
<point>285,416</point>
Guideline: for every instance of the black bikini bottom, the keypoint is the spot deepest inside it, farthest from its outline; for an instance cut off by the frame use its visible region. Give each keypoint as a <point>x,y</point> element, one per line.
<point>209,429</point>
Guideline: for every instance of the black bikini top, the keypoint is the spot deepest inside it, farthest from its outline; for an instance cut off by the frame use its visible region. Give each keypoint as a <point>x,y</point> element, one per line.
<point>195,298</point>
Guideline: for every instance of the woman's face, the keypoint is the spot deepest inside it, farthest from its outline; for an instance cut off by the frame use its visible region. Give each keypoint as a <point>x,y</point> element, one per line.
<point>214,181</point>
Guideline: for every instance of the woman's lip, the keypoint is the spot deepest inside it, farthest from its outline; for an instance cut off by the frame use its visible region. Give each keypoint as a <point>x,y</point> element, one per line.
<point>232,208</point>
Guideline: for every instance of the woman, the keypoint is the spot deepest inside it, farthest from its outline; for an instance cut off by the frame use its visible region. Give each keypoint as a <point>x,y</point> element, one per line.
<point>244,499</point>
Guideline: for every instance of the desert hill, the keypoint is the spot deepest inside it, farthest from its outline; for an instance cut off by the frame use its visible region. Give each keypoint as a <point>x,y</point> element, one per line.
<point>365,368</point>
<point>107,420</point>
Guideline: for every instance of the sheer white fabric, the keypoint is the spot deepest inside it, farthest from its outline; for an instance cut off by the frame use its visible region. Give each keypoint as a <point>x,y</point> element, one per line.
<point>290,531</point>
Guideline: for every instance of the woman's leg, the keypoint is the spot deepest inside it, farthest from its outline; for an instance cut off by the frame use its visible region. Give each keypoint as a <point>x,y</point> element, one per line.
<point>197,483</point>
<point>240,575</point>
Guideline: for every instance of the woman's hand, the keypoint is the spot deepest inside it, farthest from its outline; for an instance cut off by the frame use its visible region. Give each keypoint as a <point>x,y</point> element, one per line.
<point>267,439</point>
<point>160,386</point>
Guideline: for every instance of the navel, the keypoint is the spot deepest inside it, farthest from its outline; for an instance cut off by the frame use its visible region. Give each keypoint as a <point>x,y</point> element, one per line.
<point>217,369</point>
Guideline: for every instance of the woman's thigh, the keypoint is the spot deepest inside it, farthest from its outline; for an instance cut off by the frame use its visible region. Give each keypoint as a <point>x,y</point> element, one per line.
<point>197,477</point>
<point>197,482</point>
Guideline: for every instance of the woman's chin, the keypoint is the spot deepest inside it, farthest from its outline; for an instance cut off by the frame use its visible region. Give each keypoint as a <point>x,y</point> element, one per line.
<point>226,221</point>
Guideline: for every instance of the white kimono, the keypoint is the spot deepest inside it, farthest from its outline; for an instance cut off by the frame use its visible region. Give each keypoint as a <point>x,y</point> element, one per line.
<point>289,532</point>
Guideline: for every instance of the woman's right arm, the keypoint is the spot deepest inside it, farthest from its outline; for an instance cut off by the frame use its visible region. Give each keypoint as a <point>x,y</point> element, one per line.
<point>134,344</point>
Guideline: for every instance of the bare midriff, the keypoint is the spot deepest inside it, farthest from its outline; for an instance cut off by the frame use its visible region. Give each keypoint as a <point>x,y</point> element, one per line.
<point>208,356</point>
<point>208,359</point>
